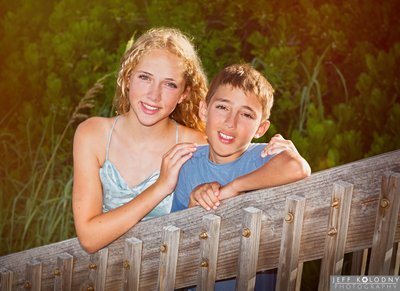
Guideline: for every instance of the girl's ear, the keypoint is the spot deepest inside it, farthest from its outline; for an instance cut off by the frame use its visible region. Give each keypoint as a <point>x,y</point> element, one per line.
<point>184,95</point>
<point>203,111</point>
<point>262,129</point>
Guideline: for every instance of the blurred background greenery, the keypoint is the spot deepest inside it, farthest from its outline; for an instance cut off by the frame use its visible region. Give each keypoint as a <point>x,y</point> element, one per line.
<point>334,66</point>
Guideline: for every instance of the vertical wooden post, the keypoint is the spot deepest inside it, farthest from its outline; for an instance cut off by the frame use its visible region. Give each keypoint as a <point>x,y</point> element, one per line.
<point>385,225</point>
<point>33,275</point>
<point>168,258</point>
<point>395,266</point>
<point>290,243</point>
<point>359,262</point>
<point>63,272</point>
<point>97,271</point>
<point>335,241</point>
<point>7,280</point>
<point>249,245</point>
<point>209,241</point>
<point>132,263</point>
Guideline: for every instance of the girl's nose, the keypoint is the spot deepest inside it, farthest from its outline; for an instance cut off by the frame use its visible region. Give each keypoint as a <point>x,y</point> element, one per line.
<point>154,93</point>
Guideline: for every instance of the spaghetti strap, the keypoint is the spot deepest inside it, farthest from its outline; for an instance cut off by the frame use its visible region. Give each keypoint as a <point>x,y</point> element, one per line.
<point>109,136</point>
<point>176,132</point>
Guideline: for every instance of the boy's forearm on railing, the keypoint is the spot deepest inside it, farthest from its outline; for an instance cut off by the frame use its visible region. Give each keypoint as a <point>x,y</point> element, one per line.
<point>284,168</point>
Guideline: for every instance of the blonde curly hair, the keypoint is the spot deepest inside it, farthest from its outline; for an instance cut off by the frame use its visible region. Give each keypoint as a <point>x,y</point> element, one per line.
<point>173,40</point>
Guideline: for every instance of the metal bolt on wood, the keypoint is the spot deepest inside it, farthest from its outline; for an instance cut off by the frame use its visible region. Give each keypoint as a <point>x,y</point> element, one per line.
<point>246,232</point>
<point>126,265</point>
<point>163,248</point>
<point>27,285</point>
<point>335,203</point>
<point>204,263</point>
<point>332,231</point>
<point>57,272</point>
<point>385,203</point>
<point>203,235</point>
<point>289,217</point>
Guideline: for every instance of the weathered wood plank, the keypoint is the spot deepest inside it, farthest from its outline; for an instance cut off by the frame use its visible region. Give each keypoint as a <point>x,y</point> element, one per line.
<point>7,280</point>
<point>385,225</point>
<point>290,243</point>
<point>364,175</point>
<point>168,258</point>
<point>63,272</point>
<point>359,262</point>
<point>97,271</point>
<point>132,263</point>
<point>209,240</point>
<point>249,246</point>
<point>335,242</point>
<point>33,277</point>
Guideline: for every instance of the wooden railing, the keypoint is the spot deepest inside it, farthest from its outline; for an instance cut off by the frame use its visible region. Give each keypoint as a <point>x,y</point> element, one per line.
<point>353,208</point>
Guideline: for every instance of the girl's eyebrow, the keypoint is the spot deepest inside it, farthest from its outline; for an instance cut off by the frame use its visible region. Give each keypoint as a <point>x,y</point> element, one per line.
<point>144,72</point>
<point>150,74</point>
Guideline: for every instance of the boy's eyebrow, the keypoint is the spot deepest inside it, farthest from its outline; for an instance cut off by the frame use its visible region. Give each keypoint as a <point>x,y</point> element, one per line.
<point>225,100</point>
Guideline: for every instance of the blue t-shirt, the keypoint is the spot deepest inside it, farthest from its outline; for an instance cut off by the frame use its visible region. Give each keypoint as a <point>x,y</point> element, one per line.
<point>199,170</point>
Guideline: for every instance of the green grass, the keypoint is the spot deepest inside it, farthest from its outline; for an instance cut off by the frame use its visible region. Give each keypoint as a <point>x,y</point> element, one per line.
<point>36,181</point>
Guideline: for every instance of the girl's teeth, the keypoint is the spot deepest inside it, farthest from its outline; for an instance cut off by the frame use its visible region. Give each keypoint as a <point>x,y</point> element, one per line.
<point>149,107</point>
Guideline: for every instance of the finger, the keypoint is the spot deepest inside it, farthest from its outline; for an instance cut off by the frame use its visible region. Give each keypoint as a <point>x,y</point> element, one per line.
<point>207,199</point>
<point>211,195</point>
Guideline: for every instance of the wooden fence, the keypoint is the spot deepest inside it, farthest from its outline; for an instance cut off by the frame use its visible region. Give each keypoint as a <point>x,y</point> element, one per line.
<point>353,208</point>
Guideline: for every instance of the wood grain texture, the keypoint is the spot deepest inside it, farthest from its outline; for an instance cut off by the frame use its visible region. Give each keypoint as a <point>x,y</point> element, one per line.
<point>365,175</point>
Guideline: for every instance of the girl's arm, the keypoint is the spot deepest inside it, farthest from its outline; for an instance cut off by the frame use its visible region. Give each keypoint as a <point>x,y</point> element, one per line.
<point>94,228</point>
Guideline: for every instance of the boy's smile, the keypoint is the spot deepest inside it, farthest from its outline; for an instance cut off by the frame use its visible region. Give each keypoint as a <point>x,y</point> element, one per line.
<point>232,119</point>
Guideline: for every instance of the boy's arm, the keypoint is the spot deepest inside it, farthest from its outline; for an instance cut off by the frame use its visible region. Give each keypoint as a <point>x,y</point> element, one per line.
<point>286,167</point>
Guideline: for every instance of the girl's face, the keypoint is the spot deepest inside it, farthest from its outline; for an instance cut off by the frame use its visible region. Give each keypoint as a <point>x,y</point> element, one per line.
<point>156,86</point>
<point>232,120</point>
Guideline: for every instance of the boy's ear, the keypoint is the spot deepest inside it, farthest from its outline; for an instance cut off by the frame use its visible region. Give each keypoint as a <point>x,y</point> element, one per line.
<point>203,110</point>
<point>262,129</point>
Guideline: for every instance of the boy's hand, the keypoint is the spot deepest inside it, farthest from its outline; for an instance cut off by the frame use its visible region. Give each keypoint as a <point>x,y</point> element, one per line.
<point>278,144</point>
<point>205,195</point>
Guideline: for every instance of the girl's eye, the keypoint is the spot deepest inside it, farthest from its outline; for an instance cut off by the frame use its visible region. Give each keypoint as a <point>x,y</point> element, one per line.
<point>172,85</point>
<point>144,77</point>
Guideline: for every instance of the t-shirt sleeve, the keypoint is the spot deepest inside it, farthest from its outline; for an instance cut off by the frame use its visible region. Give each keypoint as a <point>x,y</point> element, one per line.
<point>180,200</point>
<point>256,158</point>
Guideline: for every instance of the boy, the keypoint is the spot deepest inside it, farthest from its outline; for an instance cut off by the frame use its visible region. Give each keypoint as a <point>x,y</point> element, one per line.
<point>236,109</point>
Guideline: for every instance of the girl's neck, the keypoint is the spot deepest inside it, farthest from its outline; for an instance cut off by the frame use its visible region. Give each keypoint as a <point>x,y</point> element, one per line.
<point>154,132</point>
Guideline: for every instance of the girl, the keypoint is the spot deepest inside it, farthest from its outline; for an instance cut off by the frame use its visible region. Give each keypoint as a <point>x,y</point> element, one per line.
<point>118,180</point>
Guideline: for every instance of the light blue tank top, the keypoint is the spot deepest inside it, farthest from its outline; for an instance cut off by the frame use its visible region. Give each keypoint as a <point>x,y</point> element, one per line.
<point>116,191</point>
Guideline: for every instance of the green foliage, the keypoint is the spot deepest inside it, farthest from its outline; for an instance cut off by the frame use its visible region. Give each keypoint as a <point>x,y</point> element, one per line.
<point>333,65</point>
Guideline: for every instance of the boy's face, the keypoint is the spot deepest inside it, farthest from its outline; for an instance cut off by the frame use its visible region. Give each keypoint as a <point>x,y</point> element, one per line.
<point>232,119</point>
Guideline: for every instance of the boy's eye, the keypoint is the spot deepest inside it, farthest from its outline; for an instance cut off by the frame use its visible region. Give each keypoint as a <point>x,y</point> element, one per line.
<point>248,115</point>
<point>222,107</point>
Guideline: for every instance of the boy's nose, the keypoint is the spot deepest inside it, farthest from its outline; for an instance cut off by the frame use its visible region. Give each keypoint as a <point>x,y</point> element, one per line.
<point>230,121</point>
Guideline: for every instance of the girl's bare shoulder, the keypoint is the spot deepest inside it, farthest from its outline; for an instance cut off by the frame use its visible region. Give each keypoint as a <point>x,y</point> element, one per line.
<point>187,134</point>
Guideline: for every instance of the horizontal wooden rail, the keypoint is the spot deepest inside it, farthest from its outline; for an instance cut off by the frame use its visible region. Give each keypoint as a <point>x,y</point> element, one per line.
<point>49,266</point>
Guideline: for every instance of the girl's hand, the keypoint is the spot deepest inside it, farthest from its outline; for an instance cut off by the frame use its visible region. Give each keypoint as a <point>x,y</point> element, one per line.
<point>205,195</point>
<point>278,144</point>
<point>171,164</point>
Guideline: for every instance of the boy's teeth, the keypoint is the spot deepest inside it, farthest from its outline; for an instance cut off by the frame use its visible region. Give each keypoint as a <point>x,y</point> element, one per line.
<point>226,136</point>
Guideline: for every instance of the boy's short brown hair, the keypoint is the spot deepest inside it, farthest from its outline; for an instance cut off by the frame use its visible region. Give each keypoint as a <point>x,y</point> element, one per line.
<point>248,79</point>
